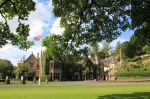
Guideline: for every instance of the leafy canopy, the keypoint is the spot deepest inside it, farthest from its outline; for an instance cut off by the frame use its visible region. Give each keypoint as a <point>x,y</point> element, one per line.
<point>53,46</point>
<point>58,50</point>
<point>10,9</point>
<point>91,21</point>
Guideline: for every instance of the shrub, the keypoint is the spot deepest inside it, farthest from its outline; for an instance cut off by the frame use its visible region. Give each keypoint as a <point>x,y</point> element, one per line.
<point>43,78</point>
<point>136,58</point>
<point>134,73</point>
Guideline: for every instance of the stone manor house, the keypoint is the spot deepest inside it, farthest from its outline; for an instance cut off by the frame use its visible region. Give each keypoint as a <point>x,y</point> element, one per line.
<point>94,69</point>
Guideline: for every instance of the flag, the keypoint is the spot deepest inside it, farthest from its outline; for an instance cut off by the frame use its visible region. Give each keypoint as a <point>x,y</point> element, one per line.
<point>37,38</point>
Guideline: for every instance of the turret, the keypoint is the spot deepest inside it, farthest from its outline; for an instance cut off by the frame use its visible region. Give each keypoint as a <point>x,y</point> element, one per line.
<point>23,58</point>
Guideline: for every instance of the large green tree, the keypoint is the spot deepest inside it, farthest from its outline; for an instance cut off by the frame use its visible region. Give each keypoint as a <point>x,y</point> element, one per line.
<point>128,49</point>
<point>97,52</point>
<point>6,68</point>
<point>56,49</point>
<point>9,9</point>
<point>131,49</point>
<point>53,46</point>
<point>90,21</point>
<point>146,49</point>
<point>106,49</point>
<point>23,70</point>
<point>117,48</point>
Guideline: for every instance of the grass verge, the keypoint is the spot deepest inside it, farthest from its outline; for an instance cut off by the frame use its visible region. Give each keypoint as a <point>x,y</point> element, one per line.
<point>74,91</point>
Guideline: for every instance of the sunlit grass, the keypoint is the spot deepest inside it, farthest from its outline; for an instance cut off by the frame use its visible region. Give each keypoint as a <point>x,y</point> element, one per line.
<point>73,91</point>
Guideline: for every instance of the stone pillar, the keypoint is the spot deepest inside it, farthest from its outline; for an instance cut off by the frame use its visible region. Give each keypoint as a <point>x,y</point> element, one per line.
<point>46,79</point>
<point>23,80</point>
<point>59,76</point>
<point>7,81</point>
<point>34,79</point>
<point>106,77</point>
<point>52,76</point>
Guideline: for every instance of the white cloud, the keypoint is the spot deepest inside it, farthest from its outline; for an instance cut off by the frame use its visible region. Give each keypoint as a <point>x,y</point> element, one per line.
<point>39,19</point>
<point>37,28</point>
<point>42,12</point>
<point>14,54</point>
<point>11,53</point>
<point>6,49</point>
<point>113,43</point>
<point>56,29</point>
<point>13,24</point>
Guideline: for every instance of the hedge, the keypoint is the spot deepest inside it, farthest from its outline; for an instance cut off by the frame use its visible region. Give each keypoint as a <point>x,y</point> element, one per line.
<point>134,74</point>
<point>2,80</point>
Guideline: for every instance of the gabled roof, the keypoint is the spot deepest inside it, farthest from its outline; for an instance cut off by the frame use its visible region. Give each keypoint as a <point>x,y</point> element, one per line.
<point>111,60</point>
<point>86,62</point>
<point>32,55</point>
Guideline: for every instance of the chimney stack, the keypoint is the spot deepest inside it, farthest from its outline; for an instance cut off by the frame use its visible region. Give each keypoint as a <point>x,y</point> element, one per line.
<point>37,55</point>
<point>23,58</point>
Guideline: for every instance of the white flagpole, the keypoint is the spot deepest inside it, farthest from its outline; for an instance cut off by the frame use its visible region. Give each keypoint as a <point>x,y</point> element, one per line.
<point>40,68</point>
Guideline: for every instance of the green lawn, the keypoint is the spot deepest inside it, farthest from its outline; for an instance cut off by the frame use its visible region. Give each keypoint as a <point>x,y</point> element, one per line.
<point>74,91</point>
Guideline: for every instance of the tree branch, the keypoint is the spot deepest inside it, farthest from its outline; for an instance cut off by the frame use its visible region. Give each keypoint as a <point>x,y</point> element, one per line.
<point>15,9</point>
<point>100,5</point>
<point>5,19</point>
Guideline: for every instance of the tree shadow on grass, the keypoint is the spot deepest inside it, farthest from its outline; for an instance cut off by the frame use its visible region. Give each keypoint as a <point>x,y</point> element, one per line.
<point>138,95</point>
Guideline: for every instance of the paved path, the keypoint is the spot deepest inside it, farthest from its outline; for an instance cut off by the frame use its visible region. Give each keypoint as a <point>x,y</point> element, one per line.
<point>118,82</point>
<point>89,83</point>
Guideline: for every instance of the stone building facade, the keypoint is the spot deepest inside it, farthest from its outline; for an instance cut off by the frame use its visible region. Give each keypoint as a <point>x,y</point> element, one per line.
<point>32,63</point>
<point>100,69</point>
<point>110,67</point>
<point>55,70</point>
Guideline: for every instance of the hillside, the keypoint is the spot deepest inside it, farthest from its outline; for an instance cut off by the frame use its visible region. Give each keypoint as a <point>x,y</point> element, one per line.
<point>136,67</point>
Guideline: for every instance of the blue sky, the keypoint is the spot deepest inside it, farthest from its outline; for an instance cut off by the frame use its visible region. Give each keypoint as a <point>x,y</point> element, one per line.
<point>42,22</point>
<point>127,34</point>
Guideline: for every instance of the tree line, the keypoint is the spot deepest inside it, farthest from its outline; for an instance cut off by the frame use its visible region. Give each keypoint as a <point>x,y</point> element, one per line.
<point>7,69</point>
